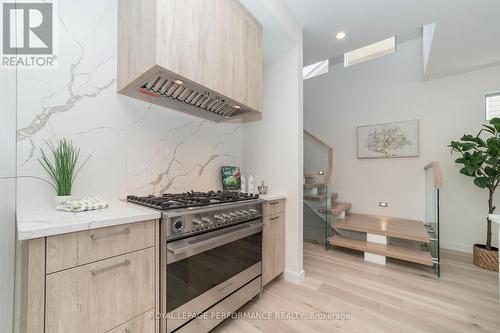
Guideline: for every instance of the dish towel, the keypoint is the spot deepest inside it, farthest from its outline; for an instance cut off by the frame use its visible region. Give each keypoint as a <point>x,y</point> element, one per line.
<point>83,204</point>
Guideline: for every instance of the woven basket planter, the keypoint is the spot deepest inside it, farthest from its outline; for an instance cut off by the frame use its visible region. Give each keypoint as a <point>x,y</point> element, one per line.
<point>487,259</point>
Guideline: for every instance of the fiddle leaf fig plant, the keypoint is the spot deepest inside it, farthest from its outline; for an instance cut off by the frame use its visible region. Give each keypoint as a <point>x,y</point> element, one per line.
<point>480,157</point>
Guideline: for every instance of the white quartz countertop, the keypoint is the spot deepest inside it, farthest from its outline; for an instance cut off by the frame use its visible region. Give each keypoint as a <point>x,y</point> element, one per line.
<point>273,196</point>
<point>495,218</point>
<point>36,223</point>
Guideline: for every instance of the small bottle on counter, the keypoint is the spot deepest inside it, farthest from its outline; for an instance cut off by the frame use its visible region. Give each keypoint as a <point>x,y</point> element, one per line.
<point>243,184</point>
<point>251,184</point>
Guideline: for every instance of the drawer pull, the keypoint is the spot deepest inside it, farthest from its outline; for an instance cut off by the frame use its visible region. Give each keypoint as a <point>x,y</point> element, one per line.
<point>224,287</point>
<point>125,231</point>
<point>274,203</point>
<point>100,270</point>
<point>274,218</point>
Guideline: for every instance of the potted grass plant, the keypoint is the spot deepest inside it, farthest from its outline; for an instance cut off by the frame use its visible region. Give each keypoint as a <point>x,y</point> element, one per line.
<point>480,157</point>
<point>62,168</point>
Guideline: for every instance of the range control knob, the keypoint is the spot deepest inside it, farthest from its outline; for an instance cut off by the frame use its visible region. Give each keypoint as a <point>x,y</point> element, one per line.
<point>177,224</point>
<point>197,223</point>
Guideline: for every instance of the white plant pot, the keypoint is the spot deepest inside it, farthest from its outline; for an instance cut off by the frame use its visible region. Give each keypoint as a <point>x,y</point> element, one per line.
<point>59,200</point>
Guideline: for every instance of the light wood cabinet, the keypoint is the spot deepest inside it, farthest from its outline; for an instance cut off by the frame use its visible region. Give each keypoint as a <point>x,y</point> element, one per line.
<point>214,44</point>
<point>101,295</point>
<point>33,285</point>
<point>273,242</point>
<point>273,207</point>
<point>141,324</point>
<point>74,249</point>
<point>99,280</point>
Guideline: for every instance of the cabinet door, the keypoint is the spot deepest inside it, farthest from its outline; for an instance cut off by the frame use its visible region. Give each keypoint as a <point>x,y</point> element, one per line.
<point>278,229</point>
<point>100,296</point>
<point>267,252</point>
<point>273,247</point>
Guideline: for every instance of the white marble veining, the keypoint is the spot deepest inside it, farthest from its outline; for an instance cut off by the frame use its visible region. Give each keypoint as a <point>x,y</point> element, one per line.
<point>273,196</point>
<point>36,223</point>
<point>135,147</point>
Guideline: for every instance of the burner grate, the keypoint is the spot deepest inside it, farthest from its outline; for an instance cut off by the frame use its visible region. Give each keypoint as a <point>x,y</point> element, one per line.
<point>190,199</point>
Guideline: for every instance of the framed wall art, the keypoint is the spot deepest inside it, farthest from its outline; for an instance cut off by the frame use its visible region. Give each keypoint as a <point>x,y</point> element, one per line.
<point>389,140</point>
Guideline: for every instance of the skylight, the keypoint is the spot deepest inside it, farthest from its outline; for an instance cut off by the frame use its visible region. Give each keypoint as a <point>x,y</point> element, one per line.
<point>372,51</point>
<point>316,69</point>
<point>492,105</point>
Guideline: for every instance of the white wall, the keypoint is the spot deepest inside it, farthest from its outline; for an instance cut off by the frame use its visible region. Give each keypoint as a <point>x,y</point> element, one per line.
<point>272,147</point>
<point>136,147</point>
<point>7,197</point>
<point>390,89</point>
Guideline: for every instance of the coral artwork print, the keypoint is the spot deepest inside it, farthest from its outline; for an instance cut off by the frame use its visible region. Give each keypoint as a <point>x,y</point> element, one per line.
<point>388,140</point>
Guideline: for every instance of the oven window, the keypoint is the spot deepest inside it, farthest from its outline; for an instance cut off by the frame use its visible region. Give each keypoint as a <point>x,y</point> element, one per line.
<point>193,276</point>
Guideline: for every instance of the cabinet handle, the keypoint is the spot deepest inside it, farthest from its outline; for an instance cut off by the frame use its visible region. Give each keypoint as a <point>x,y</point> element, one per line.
<point>224,287</point>
<point>274,203</point>
<point>100,270</point>
<point>274,218</point>
<point>125,231</point>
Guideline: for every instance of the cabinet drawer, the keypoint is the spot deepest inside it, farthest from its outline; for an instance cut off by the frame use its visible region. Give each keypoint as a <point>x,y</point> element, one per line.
<point>100,296</point>
<point>273,207</point>
<point>78,248</point>
<point>142,324</point>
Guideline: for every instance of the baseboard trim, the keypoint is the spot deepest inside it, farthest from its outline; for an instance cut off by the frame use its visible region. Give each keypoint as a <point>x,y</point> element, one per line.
<point>295,277</point>
<point>456,246</point>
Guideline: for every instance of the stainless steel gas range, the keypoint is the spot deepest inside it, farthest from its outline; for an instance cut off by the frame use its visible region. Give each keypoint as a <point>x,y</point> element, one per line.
<point>211,256</point>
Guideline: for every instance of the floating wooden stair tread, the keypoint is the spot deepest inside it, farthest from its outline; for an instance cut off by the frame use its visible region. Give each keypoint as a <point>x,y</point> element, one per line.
<point>315,197</point>
<point>392,251</point>
<point>310,186</point>
<point>337,208</point>
<point>386,226</point>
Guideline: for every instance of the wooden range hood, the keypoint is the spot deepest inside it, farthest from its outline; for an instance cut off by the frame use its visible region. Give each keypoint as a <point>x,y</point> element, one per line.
<point>201,57</point>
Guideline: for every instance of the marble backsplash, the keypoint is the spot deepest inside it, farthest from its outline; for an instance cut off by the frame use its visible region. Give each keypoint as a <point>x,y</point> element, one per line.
<point>135,147</point>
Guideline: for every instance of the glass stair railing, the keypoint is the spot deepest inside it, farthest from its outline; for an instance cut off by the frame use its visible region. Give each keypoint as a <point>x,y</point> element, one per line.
<point>317,195</point>
<point>316,205</point>
<point>432,186</point>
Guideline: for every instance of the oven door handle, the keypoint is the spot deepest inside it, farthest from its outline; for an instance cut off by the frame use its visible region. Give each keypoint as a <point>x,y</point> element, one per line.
<point>197,244</point>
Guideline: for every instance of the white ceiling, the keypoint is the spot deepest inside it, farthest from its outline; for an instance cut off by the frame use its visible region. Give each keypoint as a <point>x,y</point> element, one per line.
<point>467,34</point>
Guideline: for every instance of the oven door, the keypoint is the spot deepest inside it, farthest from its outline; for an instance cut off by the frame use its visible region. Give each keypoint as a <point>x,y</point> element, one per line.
<point>204,269</point>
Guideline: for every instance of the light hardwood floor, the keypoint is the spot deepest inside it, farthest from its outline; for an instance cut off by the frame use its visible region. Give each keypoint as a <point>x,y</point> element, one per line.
<point>398,297</point>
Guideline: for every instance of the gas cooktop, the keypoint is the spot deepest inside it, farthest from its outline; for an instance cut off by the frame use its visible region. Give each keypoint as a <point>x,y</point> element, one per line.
<point>190,199</point>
